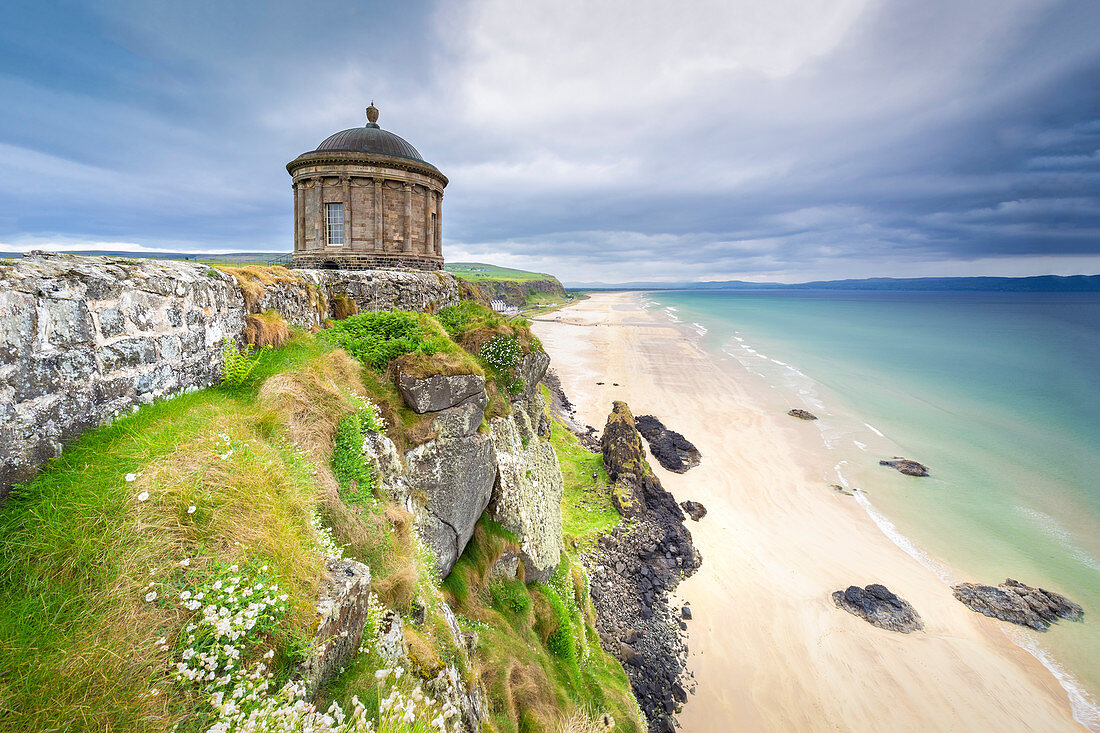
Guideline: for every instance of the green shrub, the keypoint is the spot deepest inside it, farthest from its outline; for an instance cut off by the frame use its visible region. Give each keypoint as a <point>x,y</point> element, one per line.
<point>238,363</point>
<point>356,479</point>
<point>377,338</point>
<point>510,596</point>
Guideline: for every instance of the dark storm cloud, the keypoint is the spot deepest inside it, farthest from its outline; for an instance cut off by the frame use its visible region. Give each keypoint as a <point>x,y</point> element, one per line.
<point>615,141</point>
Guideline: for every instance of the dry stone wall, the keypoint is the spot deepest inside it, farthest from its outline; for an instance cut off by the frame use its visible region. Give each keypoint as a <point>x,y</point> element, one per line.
<point>85,338</point>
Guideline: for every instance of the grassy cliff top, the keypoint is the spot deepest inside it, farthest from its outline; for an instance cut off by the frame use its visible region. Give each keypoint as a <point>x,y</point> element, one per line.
<point>481,271</point>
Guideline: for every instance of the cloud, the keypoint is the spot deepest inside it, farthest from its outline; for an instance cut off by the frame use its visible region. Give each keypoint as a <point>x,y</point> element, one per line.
<point>599,140</point>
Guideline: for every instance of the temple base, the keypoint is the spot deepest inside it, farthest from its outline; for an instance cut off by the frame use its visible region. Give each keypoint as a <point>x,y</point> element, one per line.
<point>352,261</point>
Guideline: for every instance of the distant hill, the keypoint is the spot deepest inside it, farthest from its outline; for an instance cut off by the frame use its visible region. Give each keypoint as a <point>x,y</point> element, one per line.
<point>1037,284</point>
<point>229,258</point>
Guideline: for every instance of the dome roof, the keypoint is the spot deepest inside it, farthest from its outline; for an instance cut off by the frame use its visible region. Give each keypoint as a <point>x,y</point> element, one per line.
<point>370,139</point>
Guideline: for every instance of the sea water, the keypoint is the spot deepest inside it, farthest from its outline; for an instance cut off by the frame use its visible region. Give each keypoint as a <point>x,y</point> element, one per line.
<point>997,393</point>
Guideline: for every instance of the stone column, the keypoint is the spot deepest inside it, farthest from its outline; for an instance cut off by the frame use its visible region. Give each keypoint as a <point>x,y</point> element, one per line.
<point>378,242</point>
<point>408,217</point>
<point>427,244</point>
<point>319,184</point>
<point>297,218</point>
<point>347,209</point>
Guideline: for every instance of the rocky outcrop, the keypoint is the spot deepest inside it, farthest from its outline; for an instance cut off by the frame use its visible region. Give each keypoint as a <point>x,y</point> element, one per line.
<point>1018,603</point>
<point>527,496</point>
<point>439,392</point>
<point>879,607</point>
<point>449,481</point>
<point>342,614</point>
<point>621,443</point>
<point>86,338</point>
<point>694,509</point>
<point>453,479</point>
<point>634,570</point>
<point>801,414</point>
<point>443,682</point>
<point>671,449</point>
<point>906,466</point>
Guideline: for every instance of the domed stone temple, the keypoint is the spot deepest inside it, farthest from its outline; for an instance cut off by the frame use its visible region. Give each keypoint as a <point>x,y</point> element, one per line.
<point>366,199</point>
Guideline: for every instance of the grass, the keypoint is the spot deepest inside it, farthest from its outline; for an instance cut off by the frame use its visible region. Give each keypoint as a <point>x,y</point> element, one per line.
<point>79,549</point>
<point>586,508</point>
<point>478,271</point>
<point>236,475</point>
<point>538,651</point>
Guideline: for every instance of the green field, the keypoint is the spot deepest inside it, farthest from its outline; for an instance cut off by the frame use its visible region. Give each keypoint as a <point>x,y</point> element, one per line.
<point>480,271</point>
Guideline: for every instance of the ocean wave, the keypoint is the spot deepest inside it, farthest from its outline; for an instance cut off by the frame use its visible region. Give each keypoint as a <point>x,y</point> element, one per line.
<point>891,531</point>
<point>700,328</point>
<point>1053,529</point>
<point>861,446</point>
<point>1084,707</point>
<point>874,430</point>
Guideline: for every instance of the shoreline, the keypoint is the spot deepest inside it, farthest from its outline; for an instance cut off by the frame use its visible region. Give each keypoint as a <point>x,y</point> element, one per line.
<point>769,650</point>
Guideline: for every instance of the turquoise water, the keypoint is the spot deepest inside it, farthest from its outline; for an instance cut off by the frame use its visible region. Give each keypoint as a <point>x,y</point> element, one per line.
<point>998,393</point>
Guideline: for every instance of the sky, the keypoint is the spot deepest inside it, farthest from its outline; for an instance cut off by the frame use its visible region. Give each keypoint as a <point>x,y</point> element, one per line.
<point>787,140</point>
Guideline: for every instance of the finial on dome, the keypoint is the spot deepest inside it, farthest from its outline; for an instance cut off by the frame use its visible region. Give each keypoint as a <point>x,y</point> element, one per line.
<point>372,114</point>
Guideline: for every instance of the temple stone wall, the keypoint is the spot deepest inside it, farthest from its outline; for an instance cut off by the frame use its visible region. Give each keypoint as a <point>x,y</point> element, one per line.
<point>83,339</point>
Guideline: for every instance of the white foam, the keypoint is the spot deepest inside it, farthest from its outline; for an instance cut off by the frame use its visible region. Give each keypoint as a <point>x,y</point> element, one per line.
<point>700,328</point>
<point>861,446</point>
<point>1051,527</point>
<point>780,363</point>
<point>891,531</point>
<point>874,430</point>
<point>1084,707</point>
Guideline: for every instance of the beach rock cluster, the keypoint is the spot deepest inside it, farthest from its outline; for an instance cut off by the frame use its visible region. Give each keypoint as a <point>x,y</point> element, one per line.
<point>671,449</point>
<point>878,606</point>
<point>634,569</point>
<point>1018,603</point>
<point>906,466</point>
<point>801,414</point>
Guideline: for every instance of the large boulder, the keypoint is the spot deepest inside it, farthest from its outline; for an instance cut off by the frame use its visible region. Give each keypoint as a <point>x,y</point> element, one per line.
<point>528,492</point>
<point>453,480</point>
<point>1018,603</point>
<point>342,610</point>
<point>671,449</point>
<point>462,420</point>
<point>878,606</point>
<point>439,391</point>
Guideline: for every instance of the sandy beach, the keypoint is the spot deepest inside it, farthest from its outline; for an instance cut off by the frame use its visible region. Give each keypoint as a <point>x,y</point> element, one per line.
<point>769,650</point>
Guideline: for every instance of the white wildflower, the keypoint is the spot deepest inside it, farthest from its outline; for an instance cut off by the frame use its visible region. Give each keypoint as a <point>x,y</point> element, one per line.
<point>150,596</point>
<point>185,562</point>
<point>191,509</point>
<point>130,477</point>
<point>143,496</point>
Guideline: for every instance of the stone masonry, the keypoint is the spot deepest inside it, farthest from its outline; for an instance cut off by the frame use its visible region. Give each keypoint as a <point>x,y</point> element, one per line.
<point>83,339</point>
